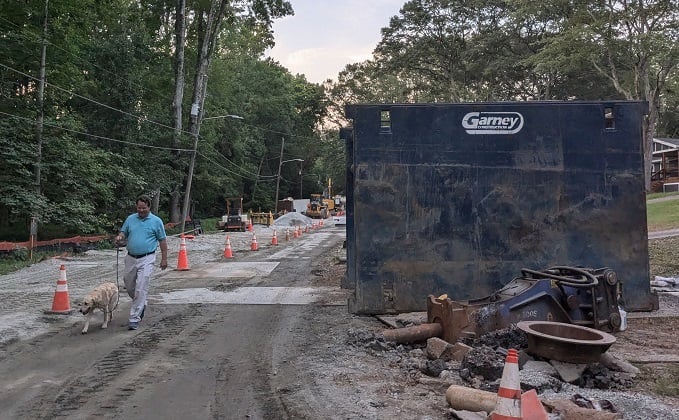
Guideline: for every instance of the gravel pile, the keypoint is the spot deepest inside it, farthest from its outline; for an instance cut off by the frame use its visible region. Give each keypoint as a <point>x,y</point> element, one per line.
<point>294,219</point>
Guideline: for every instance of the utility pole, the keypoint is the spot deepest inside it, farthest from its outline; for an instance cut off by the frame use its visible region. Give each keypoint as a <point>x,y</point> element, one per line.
<point>301,181</point>
<point>39,127</point>
<point>278,179</point>
<point>280,165</point>
<point>195,113</point>
<point>196,135</point>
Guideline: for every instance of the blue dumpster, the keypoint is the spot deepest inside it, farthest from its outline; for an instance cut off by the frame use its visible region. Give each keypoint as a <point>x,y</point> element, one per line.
<point>458,198</point>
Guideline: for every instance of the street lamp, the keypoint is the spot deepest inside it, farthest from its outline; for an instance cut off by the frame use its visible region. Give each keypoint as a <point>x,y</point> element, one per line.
<point>278,180</point>
<point>236,117</point>
<point>196,136</point>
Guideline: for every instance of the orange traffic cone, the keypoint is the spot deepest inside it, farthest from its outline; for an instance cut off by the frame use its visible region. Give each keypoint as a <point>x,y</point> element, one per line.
<point>295,233</point>
<point>227,249</point>
<point>183,259</point>
<point>531,406</point>
<point>253,246</point>
<point>320,223</point>
<point>274,238</point>
<point>508,406</point>
<point>61,304</point>
<point>287,234</point>
<point>250,228</point>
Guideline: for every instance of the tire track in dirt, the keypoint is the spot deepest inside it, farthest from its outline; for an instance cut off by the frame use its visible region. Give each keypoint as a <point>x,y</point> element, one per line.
<point>108,383</point>
<point>245,381</point>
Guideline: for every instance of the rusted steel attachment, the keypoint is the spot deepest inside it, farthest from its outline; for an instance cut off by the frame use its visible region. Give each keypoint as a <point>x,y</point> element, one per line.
<point>565,342</point>
<point>572,295</point>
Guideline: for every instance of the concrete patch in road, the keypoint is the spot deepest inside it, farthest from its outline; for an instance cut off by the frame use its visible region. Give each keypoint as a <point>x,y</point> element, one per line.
<point>255,296</point>
<point>224,270</point>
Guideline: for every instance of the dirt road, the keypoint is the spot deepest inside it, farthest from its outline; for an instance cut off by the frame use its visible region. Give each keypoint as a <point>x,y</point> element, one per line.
<point>200,352</point>
<point>265,335</point>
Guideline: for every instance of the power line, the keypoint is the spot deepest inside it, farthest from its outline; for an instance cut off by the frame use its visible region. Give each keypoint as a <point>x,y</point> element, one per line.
<point>148,146</point>
<point>70,92</point>
<point>38,38</point>
<point>137,117</point>
<point>257,177</point>
<point>279,132</point>
<point>141,119</point>
<point>70,130</point>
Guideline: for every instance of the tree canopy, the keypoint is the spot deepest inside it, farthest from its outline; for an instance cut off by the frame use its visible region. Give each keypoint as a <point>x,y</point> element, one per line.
<point>79,144</point>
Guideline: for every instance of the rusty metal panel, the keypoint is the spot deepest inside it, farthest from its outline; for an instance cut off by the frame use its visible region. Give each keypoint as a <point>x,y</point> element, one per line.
<point>458,198</point>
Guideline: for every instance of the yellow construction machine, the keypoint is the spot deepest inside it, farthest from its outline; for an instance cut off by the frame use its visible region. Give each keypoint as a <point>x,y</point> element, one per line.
<point>234,219</point>
<point>321,206</point>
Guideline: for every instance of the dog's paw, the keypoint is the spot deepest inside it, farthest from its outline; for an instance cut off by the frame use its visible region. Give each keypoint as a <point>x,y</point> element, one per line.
<point>83,332</point>
<point>103,327</point>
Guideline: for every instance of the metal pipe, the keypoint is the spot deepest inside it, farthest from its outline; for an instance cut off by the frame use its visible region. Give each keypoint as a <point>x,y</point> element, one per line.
<point>413,334</point>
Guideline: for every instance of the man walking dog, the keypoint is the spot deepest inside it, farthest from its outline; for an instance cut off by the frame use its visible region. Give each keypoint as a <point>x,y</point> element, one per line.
<point>143,232</point>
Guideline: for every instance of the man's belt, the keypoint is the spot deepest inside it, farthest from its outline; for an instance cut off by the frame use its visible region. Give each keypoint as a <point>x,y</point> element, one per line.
<point>142,255</point>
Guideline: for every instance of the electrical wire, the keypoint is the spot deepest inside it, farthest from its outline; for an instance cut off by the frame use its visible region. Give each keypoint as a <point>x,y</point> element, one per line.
<point>37,38</point>
<point>70,130</point>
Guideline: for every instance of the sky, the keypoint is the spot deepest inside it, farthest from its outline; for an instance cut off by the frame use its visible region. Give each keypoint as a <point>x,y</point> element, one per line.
<point>325,35</point>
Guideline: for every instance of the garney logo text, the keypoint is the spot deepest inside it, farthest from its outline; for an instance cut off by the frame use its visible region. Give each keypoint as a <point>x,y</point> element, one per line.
<point>492,122</point>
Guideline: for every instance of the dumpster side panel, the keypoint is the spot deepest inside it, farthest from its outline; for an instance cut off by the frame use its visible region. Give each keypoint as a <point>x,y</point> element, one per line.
<point>349,280</point>
<point>435,207</point>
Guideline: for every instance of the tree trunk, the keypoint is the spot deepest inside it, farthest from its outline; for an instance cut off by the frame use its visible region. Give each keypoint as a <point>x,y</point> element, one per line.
<point>180,41</point>
<point>155,201</point>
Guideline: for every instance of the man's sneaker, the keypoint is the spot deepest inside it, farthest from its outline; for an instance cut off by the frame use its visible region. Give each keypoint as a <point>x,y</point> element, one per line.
<point>133,326</point>
<point>141,315</point>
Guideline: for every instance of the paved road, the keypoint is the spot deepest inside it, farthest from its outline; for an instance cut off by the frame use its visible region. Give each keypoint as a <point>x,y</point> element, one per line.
<point>663,234</point>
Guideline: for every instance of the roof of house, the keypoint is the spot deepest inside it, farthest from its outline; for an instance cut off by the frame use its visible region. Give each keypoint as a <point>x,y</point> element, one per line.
<point>667,141</point>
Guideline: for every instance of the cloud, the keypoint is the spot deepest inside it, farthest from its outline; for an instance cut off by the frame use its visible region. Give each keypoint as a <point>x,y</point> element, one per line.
<point>319,64</point>
<point>325,35</point>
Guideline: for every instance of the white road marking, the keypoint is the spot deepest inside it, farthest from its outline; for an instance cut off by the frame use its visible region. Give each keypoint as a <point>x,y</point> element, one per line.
<point>302,250</point>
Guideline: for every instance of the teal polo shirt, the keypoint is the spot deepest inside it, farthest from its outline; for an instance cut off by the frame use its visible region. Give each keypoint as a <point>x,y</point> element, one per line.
<point>143,234</point>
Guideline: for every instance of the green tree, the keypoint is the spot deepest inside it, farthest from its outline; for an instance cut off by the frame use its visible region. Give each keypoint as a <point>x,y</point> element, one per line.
<point>110,108</point>
<point>632,44</point>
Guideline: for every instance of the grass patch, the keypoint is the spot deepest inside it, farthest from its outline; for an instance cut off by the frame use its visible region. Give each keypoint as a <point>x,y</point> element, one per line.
<point>666,381</point>
<point>15,261</point>
<point>209,225</point>
<point>663,215</point>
